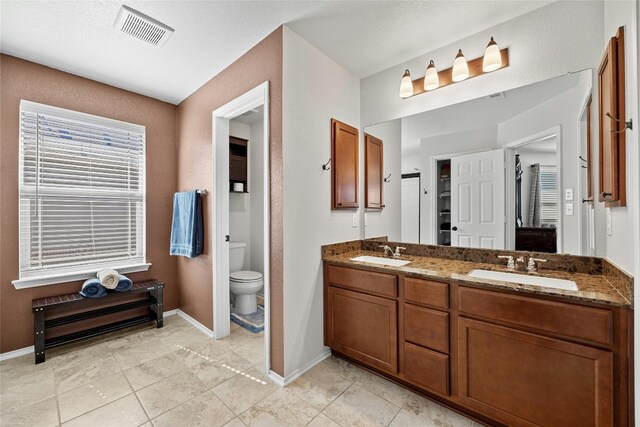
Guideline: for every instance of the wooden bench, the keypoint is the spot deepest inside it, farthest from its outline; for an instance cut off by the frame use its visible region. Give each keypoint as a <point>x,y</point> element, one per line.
<point>95,308</point>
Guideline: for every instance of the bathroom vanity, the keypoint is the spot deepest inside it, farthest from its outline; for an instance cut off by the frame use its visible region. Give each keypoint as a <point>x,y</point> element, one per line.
<point>502,352</point>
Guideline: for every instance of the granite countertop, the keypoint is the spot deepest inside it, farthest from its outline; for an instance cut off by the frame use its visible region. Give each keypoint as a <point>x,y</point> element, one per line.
<point>598,288</point>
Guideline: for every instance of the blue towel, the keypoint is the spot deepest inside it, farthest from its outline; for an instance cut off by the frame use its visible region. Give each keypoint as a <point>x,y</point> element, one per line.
<point>92,288</point>
<point>124,284</point>
<point>187,232</point>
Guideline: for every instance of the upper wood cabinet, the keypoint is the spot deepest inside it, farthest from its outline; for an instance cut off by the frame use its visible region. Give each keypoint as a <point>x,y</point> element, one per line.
<point>344,166</point>
<point>238,170</point>
<point>611,116</point>
<point>373,171</point>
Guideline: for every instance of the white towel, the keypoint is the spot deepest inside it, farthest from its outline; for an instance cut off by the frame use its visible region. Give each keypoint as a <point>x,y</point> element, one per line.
<point>108,278</point>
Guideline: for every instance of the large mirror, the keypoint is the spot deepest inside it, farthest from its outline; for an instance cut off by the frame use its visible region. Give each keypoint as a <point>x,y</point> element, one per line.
<point>507,171</point>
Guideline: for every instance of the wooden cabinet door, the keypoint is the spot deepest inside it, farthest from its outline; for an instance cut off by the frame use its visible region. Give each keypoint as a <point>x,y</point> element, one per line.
<point>373,171</point>
<point>524,379</point>
<point>344,166</point>
<point>611,142</point>
<point>363,327</point>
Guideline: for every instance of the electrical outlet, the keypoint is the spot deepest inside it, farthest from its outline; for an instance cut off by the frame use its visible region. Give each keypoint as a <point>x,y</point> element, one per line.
<point>568,194</point>
<point>568,209</point>
<point>354,222</point>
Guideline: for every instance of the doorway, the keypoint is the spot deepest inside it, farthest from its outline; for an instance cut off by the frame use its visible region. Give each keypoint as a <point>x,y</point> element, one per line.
<point>255,100</point>
<point>533,193</point>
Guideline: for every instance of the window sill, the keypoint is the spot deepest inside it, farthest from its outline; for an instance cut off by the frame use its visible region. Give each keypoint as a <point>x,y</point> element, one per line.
<point>33,282</point>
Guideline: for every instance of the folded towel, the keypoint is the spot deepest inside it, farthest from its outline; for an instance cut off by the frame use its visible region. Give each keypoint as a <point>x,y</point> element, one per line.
<point>187,232</point>
<point>124,284</point>
<point>108,278</point>
<point>92,288</point>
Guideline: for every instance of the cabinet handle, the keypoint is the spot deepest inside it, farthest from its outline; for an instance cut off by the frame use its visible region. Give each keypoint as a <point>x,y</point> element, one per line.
<point>382,206</point>
<point>605,194</point>
<point>339,204</point>
<point>454,228</point>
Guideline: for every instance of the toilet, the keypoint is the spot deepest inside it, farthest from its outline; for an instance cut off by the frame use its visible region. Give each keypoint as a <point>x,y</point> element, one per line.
<point>244,285</point>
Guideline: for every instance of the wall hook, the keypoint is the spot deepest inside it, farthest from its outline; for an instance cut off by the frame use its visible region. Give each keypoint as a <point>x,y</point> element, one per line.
<point>627,125</point>
<point>387,178</point>
<point>326,166</point>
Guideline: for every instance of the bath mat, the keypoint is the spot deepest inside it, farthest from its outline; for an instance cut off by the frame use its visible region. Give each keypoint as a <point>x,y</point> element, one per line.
<point>251,322</point>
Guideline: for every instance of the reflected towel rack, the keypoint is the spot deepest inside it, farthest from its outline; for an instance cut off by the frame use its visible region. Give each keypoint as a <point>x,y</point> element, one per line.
<point>203,192</point>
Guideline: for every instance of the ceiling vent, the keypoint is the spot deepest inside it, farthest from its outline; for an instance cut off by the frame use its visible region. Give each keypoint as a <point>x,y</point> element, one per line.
<point>142,27</point>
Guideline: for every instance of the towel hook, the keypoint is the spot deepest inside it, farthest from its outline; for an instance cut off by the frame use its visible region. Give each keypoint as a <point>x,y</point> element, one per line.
<point>583,159</point>
<point>627,125</point>
<point>326,166</point>
<point>387,178</point>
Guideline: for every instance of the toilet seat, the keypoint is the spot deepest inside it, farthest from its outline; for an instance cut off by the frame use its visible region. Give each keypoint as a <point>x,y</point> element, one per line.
<point>245,276</point>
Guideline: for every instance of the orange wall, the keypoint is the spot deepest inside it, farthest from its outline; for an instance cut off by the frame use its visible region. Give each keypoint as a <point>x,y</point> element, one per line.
<point>263,62</point>
<point>21,79</point>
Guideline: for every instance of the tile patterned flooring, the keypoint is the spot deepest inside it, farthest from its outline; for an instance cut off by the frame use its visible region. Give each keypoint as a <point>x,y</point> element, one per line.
<point>176,376</point>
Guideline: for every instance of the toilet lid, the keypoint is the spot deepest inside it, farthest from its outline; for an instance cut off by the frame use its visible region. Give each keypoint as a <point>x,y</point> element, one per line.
<point>245,276</point>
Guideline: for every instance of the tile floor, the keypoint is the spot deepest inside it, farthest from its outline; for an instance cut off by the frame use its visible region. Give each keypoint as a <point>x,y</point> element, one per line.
<point>176,376</point>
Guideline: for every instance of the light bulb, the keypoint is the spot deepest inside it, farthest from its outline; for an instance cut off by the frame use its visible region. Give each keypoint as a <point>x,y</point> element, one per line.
<point>492,58</point>
<point>406,85</point>
<point>460,69</point>
<point>431,80</point>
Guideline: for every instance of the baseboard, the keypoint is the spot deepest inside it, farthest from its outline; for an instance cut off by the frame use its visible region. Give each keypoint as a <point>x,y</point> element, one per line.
<point>284,381</point>
<point>199,326</point>
<point>170,313</point>
<point>16,353</point>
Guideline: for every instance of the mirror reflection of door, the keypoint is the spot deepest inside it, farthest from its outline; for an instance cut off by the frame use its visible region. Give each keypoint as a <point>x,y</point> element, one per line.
<point>411,208</point>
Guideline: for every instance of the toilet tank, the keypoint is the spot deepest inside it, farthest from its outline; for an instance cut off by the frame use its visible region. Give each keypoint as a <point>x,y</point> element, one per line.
<point>236,255</point>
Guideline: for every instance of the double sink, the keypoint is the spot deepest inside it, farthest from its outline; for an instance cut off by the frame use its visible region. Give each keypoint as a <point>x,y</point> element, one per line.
<point>545,282</point>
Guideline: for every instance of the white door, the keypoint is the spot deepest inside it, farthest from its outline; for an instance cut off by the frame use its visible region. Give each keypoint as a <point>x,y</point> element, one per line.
<point>411,210</point>
<point>477,200</point>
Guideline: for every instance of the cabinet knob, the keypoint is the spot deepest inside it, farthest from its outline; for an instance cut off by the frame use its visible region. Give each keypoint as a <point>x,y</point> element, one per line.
<point>339,204</point>
<point>605,194</point>
<point>454,228</point>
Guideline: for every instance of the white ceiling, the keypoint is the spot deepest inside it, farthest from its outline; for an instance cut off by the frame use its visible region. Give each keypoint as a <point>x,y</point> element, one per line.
<point>364,37</point>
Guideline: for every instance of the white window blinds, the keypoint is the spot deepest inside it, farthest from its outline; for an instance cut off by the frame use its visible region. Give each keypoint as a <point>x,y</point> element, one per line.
<point>82,192</point>
<point>548,195</point>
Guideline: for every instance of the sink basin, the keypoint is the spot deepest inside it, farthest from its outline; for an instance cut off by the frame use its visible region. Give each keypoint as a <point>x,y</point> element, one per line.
<point>382,261</point>
<point>546,282</point>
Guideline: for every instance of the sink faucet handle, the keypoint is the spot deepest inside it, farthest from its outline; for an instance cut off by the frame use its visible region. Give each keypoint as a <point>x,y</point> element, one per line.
<point>510,261</point>
<point>397,251</point>
<point>532,266</point>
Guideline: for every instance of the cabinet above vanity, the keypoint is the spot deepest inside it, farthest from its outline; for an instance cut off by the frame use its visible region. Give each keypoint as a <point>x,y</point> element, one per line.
<point>473,343</point>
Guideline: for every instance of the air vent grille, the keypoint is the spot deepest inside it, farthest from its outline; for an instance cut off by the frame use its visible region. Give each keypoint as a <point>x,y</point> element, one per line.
<point>142,27</point>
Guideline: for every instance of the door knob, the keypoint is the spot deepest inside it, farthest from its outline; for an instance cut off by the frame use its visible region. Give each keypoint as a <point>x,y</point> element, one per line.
<point>454,228</point>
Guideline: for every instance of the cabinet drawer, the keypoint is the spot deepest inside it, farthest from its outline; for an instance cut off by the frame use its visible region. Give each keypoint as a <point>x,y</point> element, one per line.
<point>435,294</point>
<point>586,323</point>
<point>425,327</point>
<point>365,281</point>
<point>426,368</point>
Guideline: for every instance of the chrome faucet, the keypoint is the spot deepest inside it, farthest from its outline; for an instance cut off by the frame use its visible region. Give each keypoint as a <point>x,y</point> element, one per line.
<point>510,262</point>
<point>397,252</point>
<point>387,248</point>
<point>393,253</point>
<point>532,266</point>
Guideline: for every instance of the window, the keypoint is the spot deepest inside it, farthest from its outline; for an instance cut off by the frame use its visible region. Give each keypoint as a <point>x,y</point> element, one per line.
<point>548,195</point>
<point>82,195</point>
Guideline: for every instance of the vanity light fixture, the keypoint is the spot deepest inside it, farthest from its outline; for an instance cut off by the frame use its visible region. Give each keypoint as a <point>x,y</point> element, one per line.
<point>431,80</point>
<point>492,59</point>
<point>460,69</point>
<point>406,85</point>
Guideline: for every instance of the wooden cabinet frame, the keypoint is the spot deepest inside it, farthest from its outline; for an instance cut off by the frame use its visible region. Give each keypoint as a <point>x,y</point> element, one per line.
<point>373,172</point>
<point>344,165</point>
<point>612,141</point>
